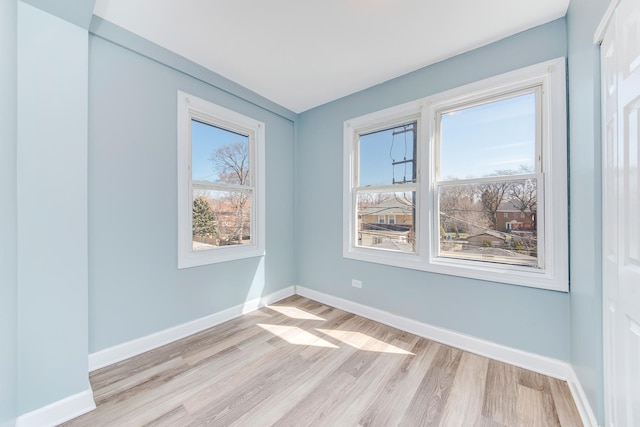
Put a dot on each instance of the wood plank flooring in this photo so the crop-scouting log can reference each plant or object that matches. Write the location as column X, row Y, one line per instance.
column 302, row 363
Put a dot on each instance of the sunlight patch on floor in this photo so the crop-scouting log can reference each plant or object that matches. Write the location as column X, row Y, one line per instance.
column 362, row 341
column 296, row 336
column 294, row 312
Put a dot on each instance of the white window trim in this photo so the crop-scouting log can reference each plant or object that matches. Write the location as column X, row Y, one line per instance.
column 191, row 107
column 551, row 76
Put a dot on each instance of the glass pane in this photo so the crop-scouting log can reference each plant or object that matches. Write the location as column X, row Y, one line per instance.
column 386, row 221
column 221, row 218
column 493, row 222
column 498, row 138
column 218, row 155
column 387, row 156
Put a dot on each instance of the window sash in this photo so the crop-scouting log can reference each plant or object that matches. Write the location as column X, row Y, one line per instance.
column 471, row 101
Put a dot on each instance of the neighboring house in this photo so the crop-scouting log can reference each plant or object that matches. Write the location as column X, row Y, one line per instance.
column 493, row 245
column 487, row 237
column 393, row 214
column 510, row 216
column 387, row 221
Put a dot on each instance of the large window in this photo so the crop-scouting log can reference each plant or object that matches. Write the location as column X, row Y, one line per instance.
column 488, row 166
column 475, row 178
column 220, row 181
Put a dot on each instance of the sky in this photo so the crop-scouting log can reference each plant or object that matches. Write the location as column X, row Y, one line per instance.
column 205, row 140
column 476, row 142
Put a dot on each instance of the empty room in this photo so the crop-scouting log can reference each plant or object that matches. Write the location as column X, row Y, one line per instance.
column 343, row 213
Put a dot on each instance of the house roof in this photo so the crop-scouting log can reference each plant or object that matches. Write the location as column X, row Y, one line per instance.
column 394, row 206
column 513, row 205
column 489, row 233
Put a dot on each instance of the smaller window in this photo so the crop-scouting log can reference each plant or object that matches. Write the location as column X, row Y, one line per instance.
column 220, row 184
column 386, row 186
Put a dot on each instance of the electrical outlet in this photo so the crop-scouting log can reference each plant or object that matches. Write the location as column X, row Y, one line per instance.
column 356, row 283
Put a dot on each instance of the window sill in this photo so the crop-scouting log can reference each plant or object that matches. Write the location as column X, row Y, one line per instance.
column 191, row 258
column 498, row 273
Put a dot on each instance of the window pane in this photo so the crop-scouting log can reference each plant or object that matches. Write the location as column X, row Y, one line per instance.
column 497, row 138
column 491, row 222
column 221, row 218
column 218, row 155
column 375, row 230
column 387, row 156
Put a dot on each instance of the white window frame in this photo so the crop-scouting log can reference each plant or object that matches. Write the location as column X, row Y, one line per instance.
column 193, row 108
column 550, row 77
column 380, row 120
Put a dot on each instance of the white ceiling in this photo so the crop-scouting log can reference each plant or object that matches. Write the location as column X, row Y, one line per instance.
column 301, row 54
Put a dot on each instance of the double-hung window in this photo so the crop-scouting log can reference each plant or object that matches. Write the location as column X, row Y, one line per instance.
column 475, row 177
column 487, row 161
column 220, row 183
column 382, row 178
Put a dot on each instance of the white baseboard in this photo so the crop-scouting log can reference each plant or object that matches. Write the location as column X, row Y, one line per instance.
column 59, row 412
column 579, row 396
column 545, row 365
column 534, row 362
column 132, row 348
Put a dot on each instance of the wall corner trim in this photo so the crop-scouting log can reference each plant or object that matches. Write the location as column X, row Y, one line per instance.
column 123, row 351
column 60, row 411
column 544, row 365
column 604, row 23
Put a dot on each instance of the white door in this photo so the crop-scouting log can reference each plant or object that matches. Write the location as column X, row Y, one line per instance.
column 621, row 215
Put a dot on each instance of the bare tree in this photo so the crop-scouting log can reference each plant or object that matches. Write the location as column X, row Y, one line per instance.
column 492, row 195
column 231, row 162
column 461, row 210
column 526, row 195
column 366, row 200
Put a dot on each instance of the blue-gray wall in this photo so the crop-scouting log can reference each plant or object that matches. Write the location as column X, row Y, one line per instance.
column 135, row 288
column 52, row 209
column 133, row 284
column 585, row 201
column 8, row 210
column 529, row 319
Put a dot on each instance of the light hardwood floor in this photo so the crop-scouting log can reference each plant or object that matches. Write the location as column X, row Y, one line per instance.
column 302, row 363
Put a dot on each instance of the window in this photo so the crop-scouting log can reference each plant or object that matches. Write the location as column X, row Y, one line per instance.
column 454, row 169
column 487, row 161
column 220, row 184
column 385, row 186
